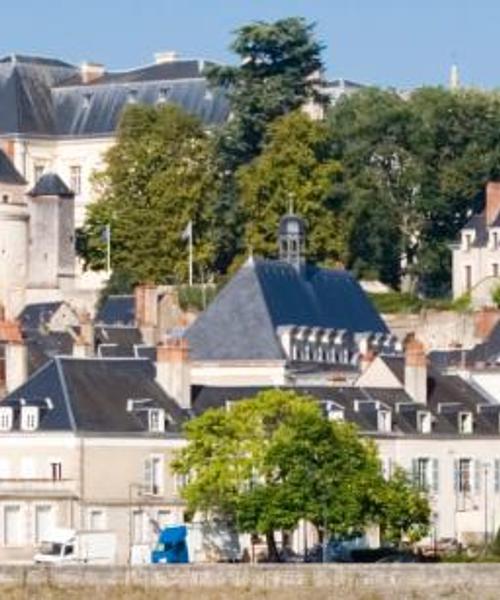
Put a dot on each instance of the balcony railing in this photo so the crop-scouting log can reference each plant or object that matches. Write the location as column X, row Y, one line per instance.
column 38, row 487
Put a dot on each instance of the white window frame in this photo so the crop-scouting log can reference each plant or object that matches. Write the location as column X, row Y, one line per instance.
column 30, row 418
column 22, row 533
column 154, row 487
column 156, row 420
column 37, row 506
column 97, row 509
column 465, row 422
column 75, row 175
column 6, row 418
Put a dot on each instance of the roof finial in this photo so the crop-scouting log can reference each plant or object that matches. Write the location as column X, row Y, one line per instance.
column 454, row 75
column 290, row 205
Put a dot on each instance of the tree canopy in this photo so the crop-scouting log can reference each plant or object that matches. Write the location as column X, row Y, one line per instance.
column 294, row 169
column 157, row 177
column 269, row 461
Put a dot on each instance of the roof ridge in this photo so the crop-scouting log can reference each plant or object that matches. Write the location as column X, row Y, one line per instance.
column 64, row 387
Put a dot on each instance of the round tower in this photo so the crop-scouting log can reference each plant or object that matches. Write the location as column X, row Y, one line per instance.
column 292, row 240
column 13, row 239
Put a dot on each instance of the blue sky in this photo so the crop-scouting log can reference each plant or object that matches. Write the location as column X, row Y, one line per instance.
column 385, row 42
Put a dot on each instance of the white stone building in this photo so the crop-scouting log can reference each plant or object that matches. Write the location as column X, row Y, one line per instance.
column 476, row 255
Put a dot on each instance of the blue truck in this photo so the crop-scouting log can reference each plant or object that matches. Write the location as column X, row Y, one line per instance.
column 172, row 546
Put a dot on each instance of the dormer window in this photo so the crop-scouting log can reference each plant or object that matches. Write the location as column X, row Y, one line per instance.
column 162, row 95
column 29, row 418
column 156, row 417
column 424, row 422
column 5, row 418
column 132, row 96
column 465, row 422
column 384, row 421
column 467, row 241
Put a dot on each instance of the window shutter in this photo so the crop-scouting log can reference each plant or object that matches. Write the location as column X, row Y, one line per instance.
column 435, row 475
column 148, row 474
column 456, row 476
column 414, row 471
column 497, row 475
column 477, row 476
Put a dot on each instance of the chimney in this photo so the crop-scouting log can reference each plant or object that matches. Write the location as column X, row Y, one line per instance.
column 146, row 311
column 415, row 370
column 16, row 355
column 84, row 344
column 492, row 201
column 485, row 320
column 173, row 370
column 90, row 71
column 167, row 56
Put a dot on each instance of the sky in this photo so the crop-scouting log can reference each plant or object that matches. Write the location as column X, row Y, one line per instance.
column 400, row 43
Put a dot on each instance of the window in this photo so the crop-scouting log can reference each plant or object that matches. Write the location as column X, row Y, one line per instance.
column 96, row 519
column 468, row 278
column 38, row 172
column 132, row 96
column 29, row 418
column 153, row 475
column 56, row 471
column 139, row 527
column 468, row 241
column 494, row 269
column 465, row 422
column 424, row 422
column 421, row 473
column 495, row 240
column 44, row 522
column 5, row 198
column 464, row 475
column 75, row 174
column 5, row 418
column 164, row 518
column 384, row 421
column 156, row 420
column 12, row 526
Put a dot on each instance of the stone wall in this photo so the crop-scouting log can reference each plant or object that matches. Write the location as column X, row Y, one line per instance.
column 342, row 581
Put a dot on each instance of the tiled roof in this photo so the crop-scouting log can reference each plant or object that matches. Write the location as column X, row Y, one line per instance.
column 8, row 173
column 47, row 97
column 91, row 395
column 50, row 184
column 117, row 310
column 242, row 320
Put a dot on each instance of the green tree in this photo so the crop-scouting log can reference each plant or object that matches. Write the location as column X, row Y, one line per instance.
column 268, row 461
column 278, row 62
column 416, row 168
column 157, row 177
column 404, row 509
column 295, row 167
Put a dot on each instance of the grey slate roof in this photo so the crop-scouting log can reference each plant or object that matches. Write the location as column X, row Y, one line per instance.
column 46, row 97
column 34, row 316
column 50, row 184
column 116, row 341
column 241, row 321
column 477, row 223
column 117, row 310
column 90, row 395
column 8, row 173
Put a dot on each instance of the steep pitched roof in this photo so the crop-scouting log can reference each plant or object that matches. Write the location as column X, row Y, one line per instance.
column 91, row 395
column 8, row 173
column 50, row 184
column 117, row 310
column 242, row 320
column 37, row 314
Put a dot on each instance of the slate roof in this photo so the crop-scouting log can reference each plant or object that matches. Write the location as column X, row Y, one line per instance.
column 47, row 97
column 477, row 223
column 34, row 316
column 116, row 341
column 445, row 390
column 117, row 310
column 241, row 321
column 8, row 173
column 90, row 395
column 50, row 184
column 44, row 346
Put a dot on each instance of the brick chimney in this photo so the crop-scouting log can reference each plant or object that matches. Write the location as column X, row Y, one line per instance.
column 492, row 201
column 173, row 370
column 90, row 71
column 146, row 311
column 415, row 370
column 16, row 355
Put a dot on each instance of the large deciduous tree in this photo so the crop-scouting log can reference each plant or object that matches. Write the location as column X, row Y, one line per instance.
column 157, row 177
column 267, row 462
column 295, row 169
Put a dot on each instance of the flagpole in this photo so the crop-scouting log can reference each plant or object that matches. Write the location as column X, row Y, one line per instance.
column 190, row 254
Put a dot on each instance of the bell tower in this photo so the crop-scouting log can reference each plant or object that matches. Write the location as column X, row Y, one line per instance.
column 292, row 240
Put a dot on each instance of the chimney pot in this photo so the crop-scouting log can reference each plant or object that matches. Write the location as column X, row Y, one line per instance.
column 492, row 201
column 415, row 370
column 91, row 71
column 166, row 56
